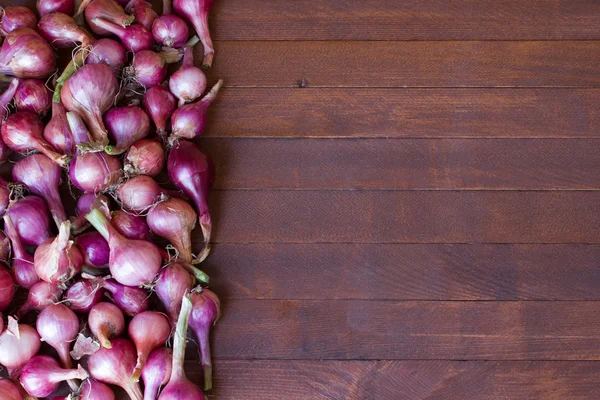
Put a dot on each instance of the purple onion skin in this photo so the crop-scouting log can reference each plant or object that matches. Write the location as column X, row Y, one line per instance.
column 58, row 326
column 83, row 295
column 31, row 218
column 131, row 300
column 23, row 270
column 42, row 375
column 134, row 37
column 109, row 52
column 33, row 95
column 170, row 31
column 131, row 226
column 94, row 390
column 189, row 120
column 205, row 312
column 9, row 391
column 94, row 171
column 7, row 289
column 125, row 125
column 58, row 133
column 61, row 31
column 95, row 249
column 25, row 54
column 110, row 11
column 196, row 12
column 5, row 99
column 15, row 17
column 157, row 372
column 144, row 14
column 145, row 157
column 172, row 284
column 50, row 6
column 40, row 296
column 159, row 103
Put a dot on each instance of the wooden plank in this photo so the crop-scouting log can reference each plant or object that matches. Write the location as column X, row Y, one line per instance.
column 406, row 163
column 444, row 113
column 405, row 271
column 406, row 380
column 407, row 64
column 359, row 329
column 249, row 216
column 405, row 20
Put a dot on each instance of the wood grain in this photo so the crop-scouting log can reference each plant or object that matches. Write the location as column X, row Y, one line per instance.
column 410, row 20
column 440, row 113
column 405, row 271
column 406, row 163
column 406, row 380
column 359, row 329
column 249, row 216
column 407, row 64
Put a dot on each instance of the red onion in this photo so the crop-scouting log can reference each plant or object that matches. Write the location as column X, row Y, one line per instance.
column 109, row 52
column 174, row 220
column 15, row 17
column 131, row 300
column 49, row 6
column 5, row 100
column 57, row 132
column 83, row 295
column 106, row 321
column 85, row 204
column 58, row 326
column 42, row 177
column 42, row 375
column 149, row 68
column 31, row 219
column 89, row 93
column 148, row 331
column 108, row 10
column 157, row 372
column 4, row 196
column 23, row 269
column 134, row 37
column 196, row 12
column 130, row 226
column 172, row 284
column 57, row 260
column 95, row 249
column 140, row 193
column 7, row 289
column 4, row 248
column 205, row 312
column 189, row 120
column 144, row 157
column 40, row 296
column 179, row 387
column 9, row 391
column 132, row 262
column 188, row 82
column 95, row 171
column 22, row 132
column 191, row 171
column 115, row 365
column 125, row 126
column 18, row 345
column 33, row 95
column 159, row 103
column 94, row 390
column 169, row 29
column 61, row 31
column 25, row 54
column 143, row 12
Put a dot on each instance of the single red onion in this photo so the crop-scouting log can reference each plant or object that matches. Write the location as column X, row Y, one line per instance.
column 179, row 387
column 134, row 37
column 125, row 126
column 25, row 54
column 95, row 249
column 144, row 157
column 148, row 331
column 188, row 82
column 108, row 10
column 31, row 219
column 40, row 296
column 61, row 31
column 132, row 262
column 42, row 375
column 4, row 248
column 7, row 289
column 94, row 390
column 50, row 6
column 159, row 103
column 109, row 52
column 115, row 365
column 9, row 391
column 23, row 269
column 172, row 284
column 42, row 177
column 140, row 193
column 149, row 68
column 130, row 226
column 82, row 295
column 189, row 120
column 22, row 132
column 106, row 321
column 5, row 99
column 57, row 260
column 33, row 95
column 157, row 372
column 85, row 204
column 90, row 92
column 58, row 326
column 15, row 17
column 131, row 300
column 205, row 313
column 4, row 196
column 174, row 220
column 58, row 133
column 169, row 29
column 95, row 171
column 192, row 171
column 18, row 344
column 196, row 12
column 143, row 12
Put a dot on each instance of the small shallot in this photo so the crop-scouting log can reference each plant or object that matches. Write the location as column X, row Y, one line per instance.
column 40, row 296
column 61, row 31
column 148, row 330
column 33, row 95
column 58, row 326
column 188, row 82
column 159, row 103
column 57, row 260
column 25, row 54
column 140, row 193
column 157, row 372
column 205, row 313
column 169, row 29
column 108, row 10
column 144, row 157
column 106, row 321
column 125, row 126
column 172, row 284
column 58, row 133
column 31, row 219
column 143, row 12
column 15, row 17
column 18, row 344
column 131, row 300
column 131, row 226
column 134, row 37
column 49, row 6
column 109, row 52
column 174, row 220
column 42, row 375
column 95, row 249
column 196, row 12
column 82, row 295
column 149, row 68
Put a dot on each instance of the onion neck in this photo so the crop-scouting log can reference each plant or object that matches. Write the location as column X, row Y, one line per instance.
column 133, row 389
column 188, row 51
column 177, row 372
column 56, row 208
column 151, row 390
column 170, row 56
column 113, row 28
column 212, row 95
column 77, row 61
column 15, row 239
column 201, row 27
column 196, row 272
column 63, row 374
column 141, row 361
column 104, row 332
column 102, row 225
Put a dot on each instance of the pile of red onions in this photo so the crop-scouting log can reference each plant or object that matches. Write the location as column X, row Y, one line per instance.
column 98, row 246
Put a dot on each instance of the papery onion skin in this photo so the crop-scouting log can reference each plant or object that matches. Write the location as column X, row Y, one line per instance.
column 95, row 171
column 95, row 249
column 134, row 37
column 23, row 269
column 25, row 54
column 108, row 10
column 4, row 248
column 15, row 17
column 82, row 295
column 159, row 103
column 125, row 126
column 7, row 289
column 58, row 326
column 109, row 52
column 196, row 12
column 49, row 6
column 157, row 372
column 170, row 30
column 131, row 226
column 174, row 220
column 44, row 367
column 40, row 296
column 33, row 95
column 61, row 31
column 145, row 157
column 148, row 331
column 16, row 351
column 57, row 260
column 106, row 321
column 94, row 390
column 9, row 391
column 205, row 312
column 140, row 193
column 31, row 219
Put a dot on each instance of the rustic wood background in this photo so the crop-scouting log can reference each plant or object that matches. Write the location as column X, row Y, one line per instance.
column 407, row 202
